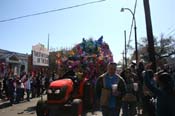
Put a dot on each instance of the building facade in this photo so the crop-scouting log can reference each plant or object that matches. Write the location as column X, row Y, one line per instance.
column 13, row 62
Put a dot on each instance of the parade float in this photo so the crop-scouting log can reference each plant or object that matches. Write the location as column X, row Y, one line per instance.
column 78, row 69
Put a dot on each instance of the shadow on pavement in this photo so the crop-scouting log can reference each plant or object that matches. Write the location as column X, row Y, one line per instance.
column 5, row 105
column 29, row 110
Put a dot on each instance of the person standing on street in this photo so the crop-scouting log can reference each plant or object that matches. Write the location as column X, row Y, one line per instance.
column 11, row 88
column 130, row 99
column 110, row 88
column 28, row 87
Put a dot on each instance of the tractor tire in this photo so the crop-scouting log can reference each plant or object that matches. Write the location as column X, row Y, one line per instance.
column 77, row 107
column 41, row 108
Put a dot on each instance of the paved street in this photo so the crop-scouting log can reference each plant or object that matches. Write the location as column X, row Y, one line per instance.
column 28, row 109
column 24, row 108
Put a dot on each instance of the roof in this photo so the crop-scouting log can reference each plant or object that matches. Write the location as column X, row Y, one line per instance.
column 8, row 54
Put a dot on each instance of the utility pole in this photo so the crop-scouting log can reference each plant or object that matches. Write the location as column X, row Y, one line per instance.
column 48, row 50
column 123, row 60
column 151, row 49
column 48, row 41
column 125, row 50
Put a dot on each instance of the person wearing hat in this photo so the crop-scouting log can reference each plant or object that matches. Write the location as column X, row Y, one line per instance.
column 165, row 93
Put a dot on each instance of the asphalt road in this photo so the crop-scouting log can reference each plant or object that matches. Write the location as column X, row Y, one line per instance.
column 28, row 109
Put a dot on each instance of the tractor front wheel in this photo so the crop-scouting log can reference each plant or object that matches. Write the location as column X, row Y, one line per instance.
column 77, row 107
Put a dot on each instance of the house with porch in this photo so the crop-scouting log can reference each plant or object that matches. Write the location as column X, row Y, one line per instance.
column 13, row 62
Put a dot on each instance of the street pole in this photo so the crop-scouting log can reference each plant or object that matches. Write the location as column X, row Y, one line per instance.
column 123, row 60
column 135, row 30
column 151, row 49
column 125, row 50
column 48, row 42
column 136, row 50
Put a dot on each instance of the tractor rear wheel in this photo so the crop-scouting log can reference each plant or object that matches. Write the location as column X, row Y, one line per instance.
column 41, row 108
column 88, row 96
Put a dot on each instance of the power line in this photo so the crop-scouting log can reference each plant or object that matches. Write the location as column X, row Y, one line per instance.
column 132, row 23
column 50, row 11
column 169, row 29
column 129, row 40
column 171, row 32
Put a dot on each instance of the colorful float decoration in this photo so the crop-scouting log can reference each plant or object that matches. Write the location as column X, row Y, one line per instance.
column 88, row 57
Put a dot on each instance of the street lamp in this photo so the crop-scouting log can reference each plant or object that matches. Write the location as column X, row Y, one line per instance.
column 135, row 30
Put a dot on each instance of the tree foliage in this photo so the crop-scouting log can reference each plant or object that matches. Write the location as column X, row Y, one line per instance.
column 164, row 47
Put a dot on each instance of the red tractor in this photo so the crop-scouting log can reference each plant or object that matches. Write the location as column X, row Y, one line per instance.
column 66, row 93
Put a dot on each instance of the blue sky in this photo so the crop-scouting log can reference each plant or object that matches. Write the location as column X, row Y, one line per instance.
column 68, row 27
